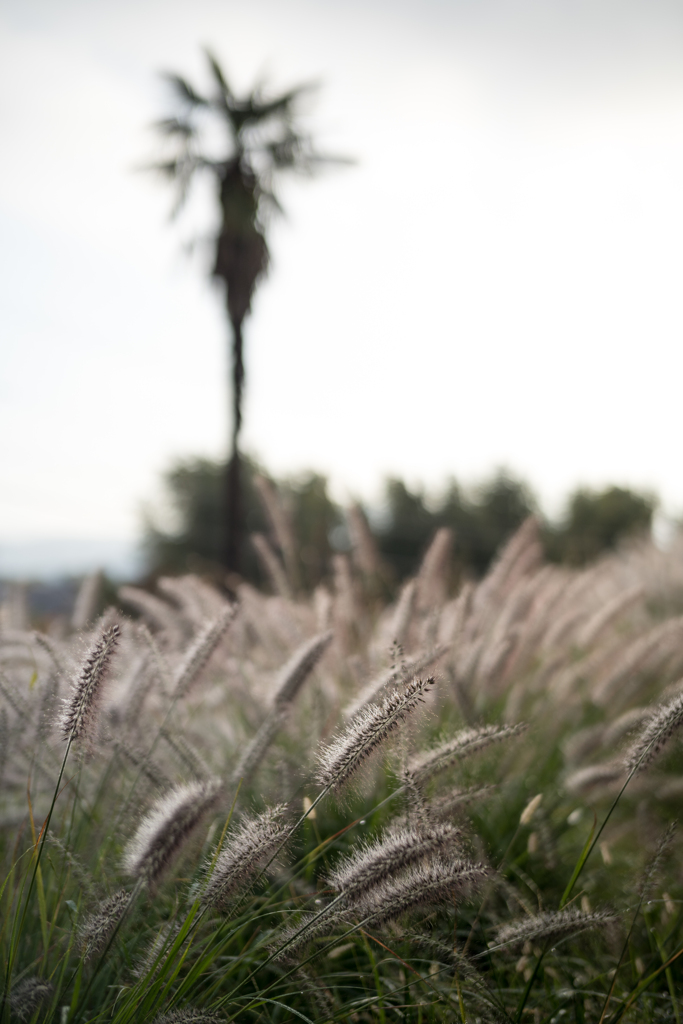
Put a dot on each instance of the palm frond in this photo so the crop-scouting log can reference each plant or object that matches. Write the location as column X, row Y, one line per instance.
column 219, row 75
column 175, row 126
column 184, row 90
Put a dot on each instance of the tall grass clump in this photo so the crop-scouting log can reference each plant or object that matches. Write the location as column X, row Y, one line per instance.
column 458, row 807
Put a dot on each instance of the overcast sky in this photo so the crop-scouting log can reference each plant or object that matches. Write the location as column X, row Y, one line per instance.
column 496, row 282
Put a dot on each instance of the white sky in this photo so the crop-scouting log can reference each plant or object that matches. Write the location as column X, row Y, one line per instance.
column 496, row 283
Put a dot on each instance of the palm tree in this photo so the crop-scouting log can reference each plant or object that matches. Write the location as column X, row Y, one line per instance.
column 258, row 140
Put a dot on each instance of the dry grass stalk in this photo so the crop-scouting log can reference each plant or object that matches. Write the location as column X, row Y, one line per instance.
column 271, row 564
column 280, row 522
column 87, row 600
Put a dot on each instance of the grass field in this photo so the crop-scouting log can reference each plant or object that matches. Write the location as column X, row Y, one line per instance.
column 458, row 807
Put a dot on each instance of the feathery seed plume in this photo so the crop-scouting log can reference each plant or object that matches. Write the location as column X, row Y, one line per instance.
column 255, row 841
column 76, row 866
column 363, row 544
column 165, row 829
column 430, row 884
column 201, row 650
column 190, row 758
column 157, row 612
column 162, row 670
column 552, row 925
column 299, row 667
column 147, row 767
column 87, row 599
column 376, row 897
column 649, row 879
column 256, row 750
column 81, row 707
column 13, row 697
column 151, row 959
column 52, row 649
column 403, row 611
column 398, row 674
column 452, row 802
column 383, row 859
column 466, row 742
column 292, row 677
column 658, row 731
column 29, row 995
column 281, row 523
column 342, row 758
column 97, row 928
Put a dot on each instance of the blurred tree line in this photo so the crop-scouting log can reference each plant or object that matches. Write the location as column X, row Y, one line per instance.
column 402, row 526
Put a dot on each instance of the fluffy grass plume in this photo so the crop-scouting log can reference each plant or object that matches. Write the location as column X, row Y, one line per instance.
column 382, row 886
column 436, row 882
column 98, row 927
column 465, row 743
column 166, row 828
column 339, row 762
column 383, row 859
column 79, row 716
column 245, row 851
column 552, row 925
column 666, row 721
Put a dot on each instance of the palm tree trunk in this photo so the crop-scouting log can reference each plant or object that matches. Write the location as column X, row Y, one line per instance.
column 233, row 537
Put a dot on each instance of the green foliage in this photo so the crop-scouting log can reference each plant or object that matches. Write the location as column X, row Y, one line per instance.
column 196, row 495
column 596, row 521
column 480, row 522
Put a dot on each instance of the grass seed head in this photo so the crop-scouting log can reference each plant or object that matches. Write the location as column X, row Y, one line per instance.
column 256, row 840
column 164, row 830
column 28, row 996
column 465, row 743
column 433, row 883
column 378, row 861
column 97, row 928
column 339, row 761
column 80, row 712
column 552, row 925
column 660, row 728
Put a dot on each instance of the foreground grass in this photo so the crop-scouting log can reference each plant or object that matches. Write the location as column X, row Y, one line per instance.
column 209, row 817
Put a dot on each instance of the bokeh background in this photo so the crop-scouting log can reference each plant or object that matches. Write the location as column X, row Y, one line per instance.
column 495, row 283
